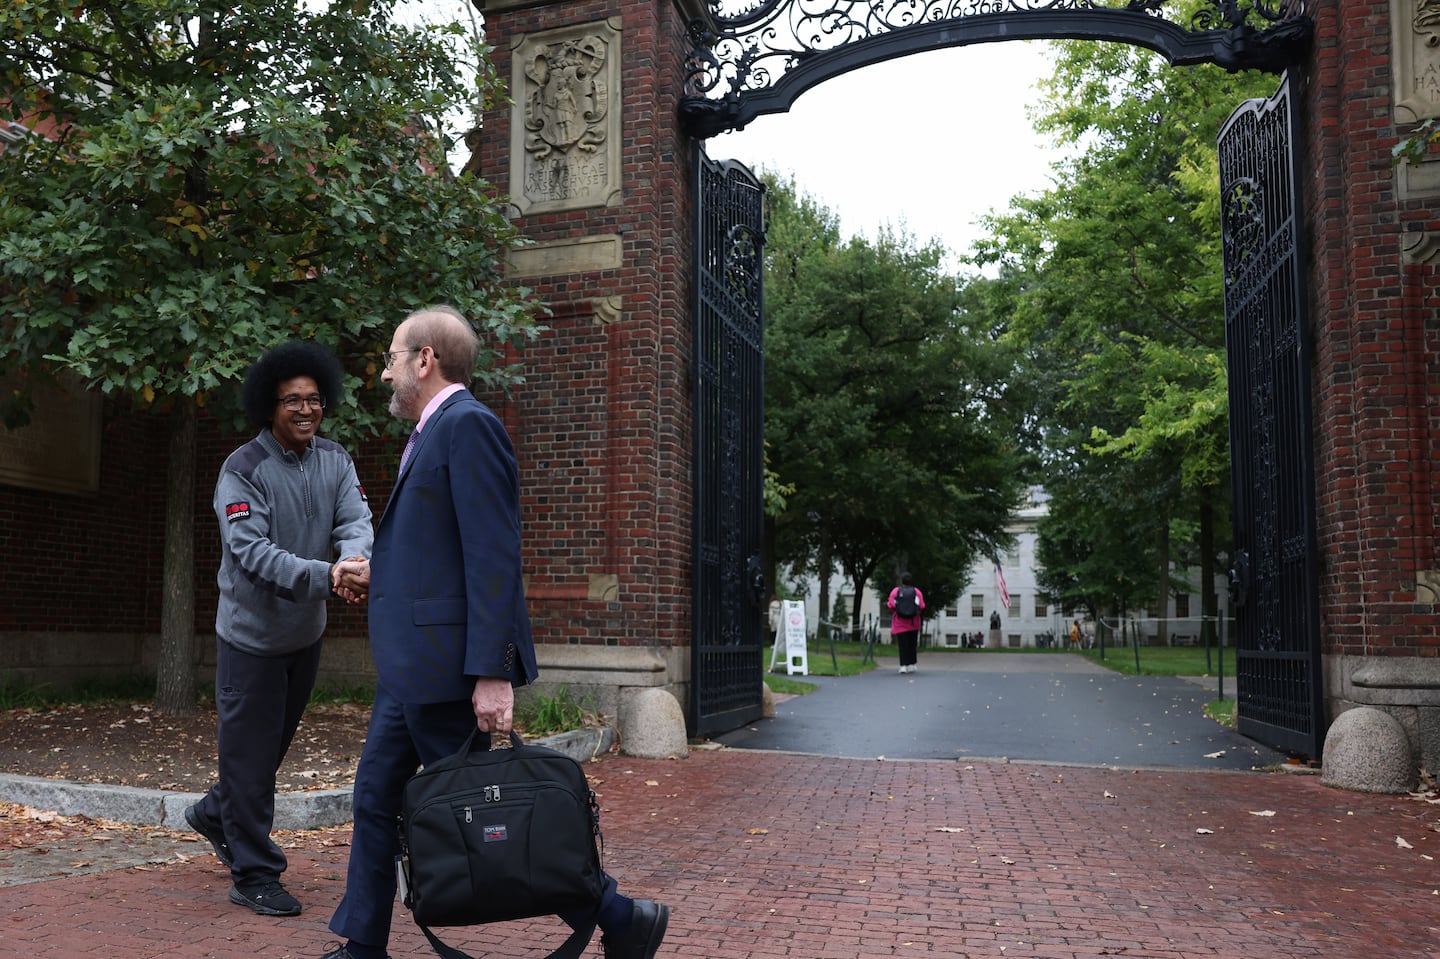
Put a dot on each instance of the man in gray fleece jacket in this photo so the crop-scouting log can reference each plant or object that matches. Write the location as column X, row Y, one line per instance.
column 290, row 505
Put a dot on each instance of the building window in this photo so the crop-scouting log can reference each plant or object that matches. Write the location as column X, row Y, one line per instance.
column 1012, row 557
column 1155, row 611
column 1016, row 609
column 952, row 610
column 1041, row 610
column 11, row 132
column 977, row 605
column 1182, row 605
column 952, row 639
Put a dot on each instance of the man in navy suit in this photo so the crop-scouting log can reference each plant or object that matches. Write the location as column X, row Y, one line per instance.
column 448, row 626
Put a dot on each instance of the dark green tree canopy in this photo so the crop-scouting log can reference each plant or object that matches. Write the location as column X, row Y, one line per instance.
column 219, row 177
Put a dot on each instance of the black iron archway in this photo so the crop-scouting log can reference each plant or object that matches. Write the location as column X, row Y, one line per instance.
column 756, row 60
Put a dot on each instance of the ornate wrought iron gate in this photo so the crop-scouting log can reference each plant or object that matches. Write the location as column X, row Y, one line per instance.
column 729, row 382
column 1275, row 581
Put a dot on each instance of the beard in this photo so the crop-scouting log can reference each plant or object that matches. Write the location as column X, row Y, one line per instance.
column 402, row 401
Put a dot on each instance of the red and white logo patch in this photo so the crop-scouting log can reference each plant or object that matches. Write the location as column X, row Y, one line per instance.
column 237, row 511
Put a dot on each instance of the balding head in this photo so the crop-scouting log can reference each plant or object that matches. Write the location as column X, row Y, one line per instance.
column 448, row 334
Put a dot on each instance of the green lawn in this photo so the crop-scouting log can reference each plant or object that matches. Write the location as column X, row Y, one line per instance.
column 1165, row 660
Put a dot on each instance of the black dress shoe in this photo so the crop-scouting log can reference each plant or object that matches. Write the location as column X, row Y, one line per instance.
column 642, row 939
column 342, row 952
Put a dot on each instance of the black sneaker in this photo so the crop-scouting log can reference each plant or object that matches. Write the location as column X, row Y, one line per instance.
column 267, row 899
column 213, row 833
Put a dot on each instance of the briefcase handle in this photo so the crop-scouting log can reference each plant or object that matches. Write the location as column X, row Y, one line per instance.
column 479, row 742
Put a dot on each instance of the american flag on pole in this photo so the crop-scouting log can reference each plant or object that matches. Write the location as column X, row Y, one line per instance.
column 1000, row 586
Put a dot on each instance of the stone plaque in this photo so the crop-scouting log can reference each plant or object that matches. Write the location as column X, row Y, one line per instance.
column 1415, row 59
column 59, row 450
column 565, row 123
column 585, row 254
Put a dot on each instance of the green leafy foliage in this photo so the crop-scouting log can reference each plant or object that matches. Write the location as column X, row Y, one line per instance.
column 222, row 177
column 1107, row 290
column 540, row 714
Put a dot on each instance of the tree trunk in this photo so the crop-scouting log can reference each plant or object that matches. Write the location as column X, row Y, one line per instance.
column 1162, row 628
column 822, row 567
column 767, row 559
column 1208, row 605
column 175, row 672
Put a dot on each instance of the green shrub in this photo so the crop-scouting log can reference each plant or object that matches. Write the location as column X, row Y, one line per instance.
column 544, row 715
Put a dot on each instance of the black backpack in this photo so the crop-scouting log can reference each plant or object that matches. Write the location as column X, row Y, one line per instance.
column 905, row 604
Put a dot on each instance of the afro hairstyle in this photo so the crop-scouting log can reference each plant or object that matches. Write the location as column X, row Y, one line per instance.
column 285, row 362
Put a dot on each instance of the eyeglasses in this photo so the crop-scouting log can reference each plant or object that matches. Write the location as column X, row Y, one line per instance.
column 297, row 403
column 389, row 356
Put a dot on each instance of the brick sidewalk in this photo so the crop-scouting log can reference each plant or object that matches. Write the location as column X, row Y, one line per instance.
column 774, row 856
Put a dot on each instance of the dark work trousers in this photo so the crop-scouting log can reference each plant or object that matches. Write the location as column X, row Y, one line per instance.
column 259, row 701
column 907, row 642
column 401, row 737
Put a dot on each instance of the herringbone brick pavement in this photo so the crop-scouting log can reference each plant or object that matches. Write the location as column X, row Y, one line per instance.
column 783, row 856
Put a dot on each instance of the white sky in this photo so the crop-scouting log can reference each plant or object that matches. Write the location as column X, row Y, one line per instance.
column 931, row 141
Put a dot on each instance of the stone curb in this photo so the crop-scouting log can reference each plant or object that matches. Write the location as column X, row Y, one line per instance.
column 165, row 808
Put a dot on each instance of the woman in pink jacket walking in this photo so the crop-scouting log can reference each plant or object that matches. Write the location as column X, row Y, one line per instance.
column 906, row 604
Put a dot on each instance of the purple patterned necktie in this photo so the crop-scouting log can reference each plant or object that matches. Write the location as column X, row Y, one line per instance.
column 409, row 445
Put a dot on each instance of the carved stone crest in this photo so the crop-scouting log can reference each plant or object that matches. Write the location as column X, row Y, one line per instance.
column 1415, row 59
column 565, row 135
column 569, row 100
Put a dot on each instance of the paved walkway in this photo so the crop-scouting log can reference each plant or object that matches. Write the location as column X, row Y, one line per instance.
column 1052, row 707
column 775, row 855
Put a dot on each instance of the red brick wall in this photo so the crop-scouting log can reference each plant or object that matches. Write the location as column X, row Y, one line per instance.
column 89, row 562
column 1375, row 334
column 602, row 425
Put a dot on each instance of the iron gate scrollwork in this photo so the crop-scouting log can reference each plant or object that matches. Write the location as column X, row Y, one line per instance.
column 748, row 59
column 1275, row 579
column 729, row 382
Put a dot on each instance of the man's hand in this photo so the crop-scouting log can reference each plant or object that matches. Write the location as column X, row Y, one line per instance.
column 350, row 579
column 494, row 702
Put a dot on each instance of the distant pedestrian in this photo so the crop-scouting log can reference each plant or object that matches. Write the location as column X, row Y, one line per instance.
column 906, row 604
column 1075, row 633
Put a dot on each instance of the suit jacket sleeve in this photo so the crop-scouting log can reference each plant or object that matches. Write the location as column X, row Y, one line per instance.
column 485, row 485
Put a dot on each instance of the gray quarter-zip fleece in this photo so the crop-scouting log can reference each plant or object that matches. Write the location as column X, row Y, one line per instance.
column 284, row 519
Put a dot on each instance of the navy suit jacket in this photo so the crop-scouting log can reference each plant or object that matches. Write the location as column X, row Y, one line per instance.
column 447, row 601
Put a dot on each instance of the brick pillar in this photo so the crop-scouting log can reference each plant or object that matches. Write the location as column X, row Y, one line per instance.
column 599, row 175
column 1375, row 257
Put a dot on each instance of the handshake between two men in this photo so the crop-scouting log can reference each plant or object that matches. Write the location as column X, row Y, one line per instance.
column 350, row 579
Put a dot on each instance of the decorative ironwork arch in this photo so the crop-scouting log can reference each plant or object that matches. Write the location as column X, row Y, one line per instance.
column 757, row 61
